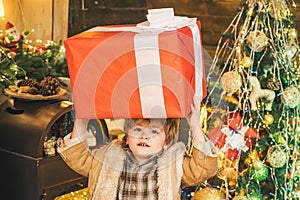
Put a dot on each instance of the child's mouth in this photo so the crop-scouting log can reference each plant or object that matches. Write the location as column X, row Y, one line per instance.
column 143, row 145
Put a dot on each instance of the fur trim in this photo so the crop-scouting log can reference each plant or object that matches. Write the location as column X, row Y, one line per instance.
column 170, row 172
column 112, row 166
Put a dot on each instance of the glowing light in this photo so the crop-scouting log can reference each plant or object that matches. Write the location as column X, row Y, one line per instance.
column 1, row 8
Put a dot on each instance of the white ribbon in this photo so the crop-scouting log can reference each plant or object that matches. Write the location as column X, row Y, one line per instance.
column 149, row 71
column 198, row 59
column 149, row 75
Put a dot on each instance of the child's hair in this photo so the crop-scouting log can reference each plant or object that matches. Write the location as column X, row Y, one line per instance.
column 171, row 127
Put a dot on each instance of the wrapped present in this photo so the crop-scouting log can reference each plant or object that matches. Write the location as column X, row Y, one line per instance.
column 233, row 137
column 129, row 71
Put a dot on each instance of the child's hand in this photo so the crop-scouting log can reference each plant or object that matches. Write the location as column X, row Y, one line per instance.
column 194, row 120
column 194, row 117
column 80, row 127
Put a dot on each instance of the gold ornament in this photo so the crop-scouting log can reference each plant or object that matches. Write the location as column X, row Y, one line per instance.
column 291, row 97
column 253, row 155
column 273, row 84
column 231, row 81
column 257, row 40
column 228, row 173
column 277, row 156
column 246, row 62
column 258, row 93
column 268, row 119
column 208, row 194
column 293, row 34
column 248, row 161
column 240, row 197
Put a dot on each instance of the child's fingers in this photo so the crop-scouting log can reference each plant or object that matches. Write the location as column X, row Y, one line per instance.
column 197, row 102
column 192, row 107
column 81, row 125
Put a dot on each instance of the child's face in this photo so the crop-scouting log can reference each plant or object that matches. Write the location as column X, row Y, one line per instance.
column 146, row 139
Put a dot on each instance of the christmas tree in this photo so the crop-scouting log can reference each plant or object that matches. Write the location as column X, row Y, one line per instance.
column 252, row 110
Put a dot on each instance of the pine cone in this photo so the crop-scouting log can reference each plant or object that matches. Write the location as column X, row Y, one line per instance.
column 33, row 90
column 34, row 85
column 49, row 86
column 28, row 82
column 273, row 84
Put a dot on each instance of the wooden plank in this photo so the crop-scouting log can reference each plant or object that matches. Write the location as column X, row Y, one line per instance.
column 160, row 4
column 60, row 20
column 209, row 52
column 24, row 17
column 13, row 14
column 207, row 7
column 122, row 4
column 48, row 18
column 212, row 29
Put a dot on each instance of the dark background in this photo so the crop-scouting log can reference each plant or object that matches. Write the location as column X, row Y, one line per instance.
column 214, row 15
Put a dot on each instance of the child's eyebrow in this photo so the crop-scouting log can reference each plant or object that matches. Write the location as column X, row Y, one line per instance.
column 156, row 125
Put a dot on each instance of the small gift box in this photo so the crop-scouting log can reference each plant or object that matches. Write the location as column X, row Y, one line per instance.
column 233, row 137
column 136, row 71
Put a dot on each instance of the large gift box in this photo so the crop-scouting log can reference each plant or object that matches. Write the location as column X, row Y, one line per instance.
column 129, row 71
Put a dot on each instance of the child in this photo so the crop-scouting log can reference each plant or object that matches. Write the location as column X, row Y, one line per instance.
column 154, row 166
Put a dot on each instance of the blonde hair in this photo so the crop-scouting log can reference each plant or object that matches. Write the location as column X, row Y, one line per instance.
column 170, row 126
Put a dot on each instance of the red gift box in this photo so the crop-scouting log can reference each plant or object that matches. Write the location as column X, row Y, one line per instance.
column 126, row 72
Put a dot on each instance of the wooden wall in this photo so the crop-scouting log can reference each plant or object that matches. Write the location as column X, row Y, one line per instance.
column 48, row 18
column 103, row 12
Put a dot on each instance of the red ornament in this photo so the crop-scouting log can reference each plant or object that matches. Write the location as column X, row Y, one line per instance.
column 40, row 49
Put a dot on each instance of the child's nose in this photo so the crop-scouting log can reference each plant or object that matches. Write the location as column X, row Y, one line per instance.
column 145, row 134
